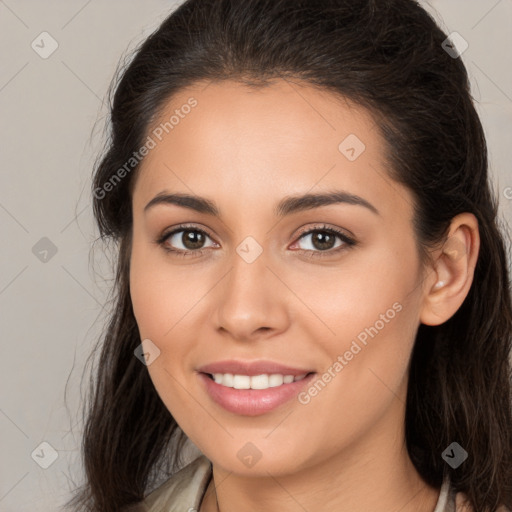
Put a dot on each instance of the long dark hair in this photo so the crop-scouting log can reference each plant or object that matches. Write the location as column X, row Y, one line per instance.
column 387, row 56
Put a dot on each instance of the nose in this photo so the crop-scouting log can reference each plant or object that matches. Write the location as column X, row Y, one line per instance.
column 251, row 300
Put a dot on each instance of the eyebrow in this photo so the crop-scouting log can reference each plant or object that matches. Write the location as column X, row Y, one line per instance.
column 287, row 206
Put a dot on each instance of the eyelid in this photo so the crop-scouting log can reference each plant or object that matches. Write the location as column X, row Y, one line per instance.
column 324, row 227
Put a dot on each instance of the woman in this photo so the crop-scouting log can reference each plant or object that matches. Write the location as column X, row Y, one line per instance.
column 311, row 284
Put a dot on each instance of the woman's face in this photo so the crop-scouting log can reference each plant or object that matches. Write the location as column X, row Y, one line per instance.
column 257, row 283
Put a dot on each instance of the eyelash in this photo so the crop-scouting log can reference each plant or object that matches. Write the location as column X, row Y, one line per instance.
column 347, row 241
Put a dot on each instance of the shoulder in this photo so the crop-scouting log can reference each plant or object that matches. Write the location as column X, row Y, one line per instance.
column 183, row 491
column 452, row 501
column 461, row 504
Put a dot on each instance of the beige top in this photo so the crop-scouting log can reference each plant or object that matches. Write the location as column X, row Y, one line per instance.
column 184, row 491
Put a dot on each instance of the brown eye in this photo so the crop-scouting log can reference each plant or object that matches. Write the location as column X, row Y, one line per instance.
column 324, row 240
column 185, row 240
column 192, row 239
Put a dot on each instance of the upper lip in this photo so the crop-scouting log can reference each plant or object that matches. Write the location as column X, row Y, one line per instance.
column 251, row 368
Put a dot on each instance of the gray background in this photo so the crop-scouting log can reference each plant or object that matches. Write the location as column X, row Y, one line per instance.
column 52, row 113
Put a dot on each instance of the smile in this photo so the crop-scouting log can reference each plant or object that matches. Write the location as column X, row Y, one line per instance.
column 253, row 395
column 263, row 381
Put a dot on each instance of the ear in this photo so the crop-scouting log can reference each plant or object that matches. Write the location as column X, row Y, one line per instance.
column 451, row 275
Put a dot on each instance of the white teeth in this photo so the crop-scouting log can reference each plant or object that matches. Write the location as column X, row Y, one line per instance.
column 263, row 381
column 227, row 379
column 241, row 382
column 275, row 380
column 259, row 382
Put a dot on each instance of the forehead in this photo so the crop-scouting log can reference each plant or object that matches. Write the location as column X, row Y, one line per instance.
column 283, row 138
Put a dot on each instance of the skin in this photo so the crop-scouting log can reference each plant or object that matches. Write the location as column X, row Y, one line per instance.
column 247, row 149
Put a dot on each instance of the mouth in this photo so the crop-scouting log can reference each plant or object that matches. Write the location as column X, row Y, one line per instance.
column 253, row 395
column 262, row 381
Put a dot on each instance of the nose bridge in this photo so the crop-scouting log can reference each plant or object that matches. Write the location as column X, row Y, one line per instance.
column 249, row 300
column 247, row 278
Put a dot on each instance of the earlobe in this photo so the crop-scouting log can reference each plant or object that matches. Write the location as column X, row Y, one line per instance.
column 452, row 272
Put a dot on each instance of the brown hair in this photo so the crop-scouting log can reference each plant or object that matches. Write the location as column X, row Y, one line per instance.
column 387, row 56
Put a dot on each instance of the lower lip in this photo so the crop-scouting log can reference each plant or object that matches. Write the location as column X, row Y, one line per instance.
column 252, row 402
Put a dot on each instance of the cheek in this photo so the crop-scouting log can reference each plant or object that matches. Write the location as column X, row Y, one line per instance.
column 148, row 300
column 156, row 292
column 158, row 308
column 354, row 295
column 165, row 303
column 369, row 310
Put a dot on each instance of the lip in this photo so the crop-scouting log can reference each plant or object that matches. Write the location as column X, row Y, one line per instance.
column 251, row 368
column 252, row 402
